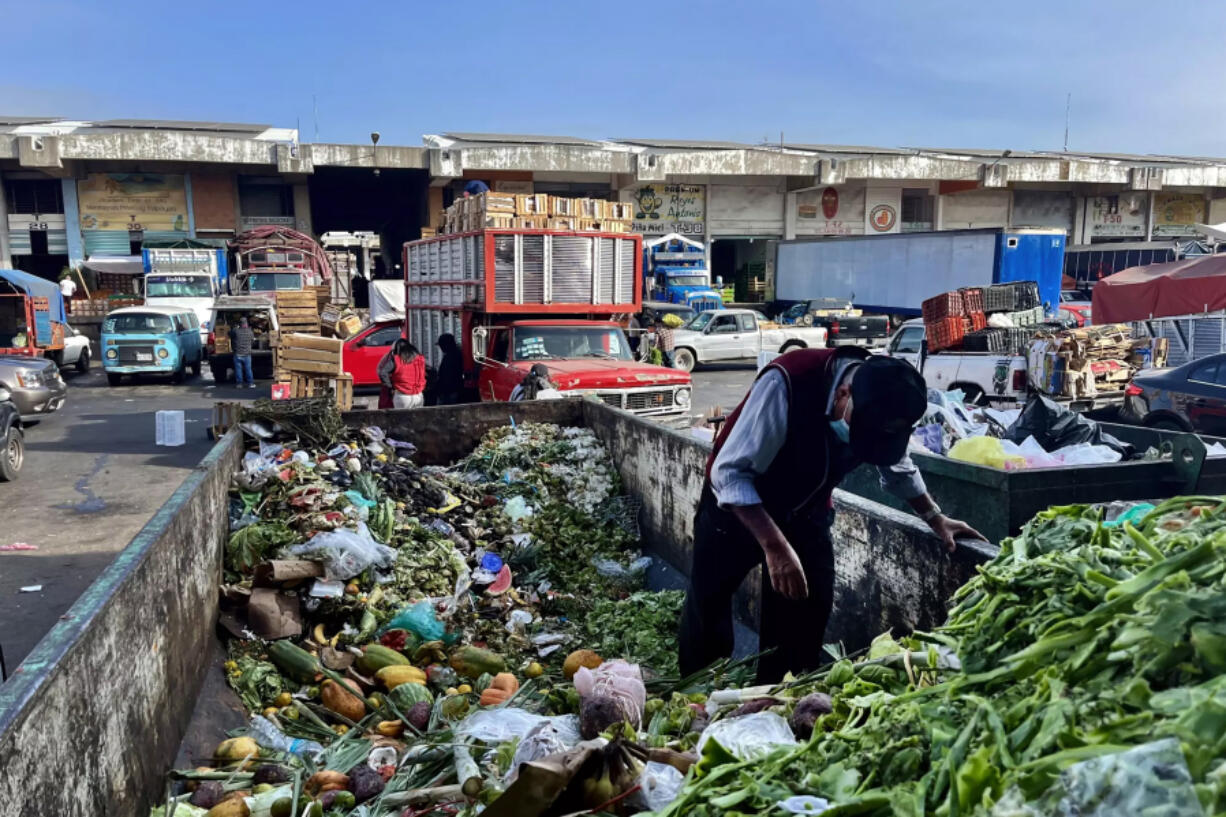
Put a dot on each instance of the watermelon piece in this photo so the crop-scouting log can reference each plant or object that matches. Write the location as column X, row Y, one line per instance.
column 502, row 583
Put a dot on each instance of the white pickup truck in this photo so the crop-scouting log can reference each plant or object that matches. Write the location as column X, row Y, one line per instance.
column 737, row 334
column 997, row 378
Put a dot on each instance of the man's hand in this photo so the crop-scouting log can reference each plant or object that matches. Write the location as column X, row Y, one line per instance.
column 787, row 574
column 951, row 530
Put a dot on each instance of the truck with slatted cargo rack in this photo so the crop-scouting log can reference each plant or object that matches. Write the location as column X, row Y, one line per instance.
column 513, row 298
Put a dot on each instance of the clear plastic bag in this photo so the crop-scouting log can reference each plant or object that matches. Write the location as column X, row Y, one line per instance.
column 627, row 575
column 659, row 785
column 502, row 723
column 549, row 737
column 418, row 619
column 345, row 553
column 517, row 508
column 749, row 737
column 618, row 680
column 1149, row 779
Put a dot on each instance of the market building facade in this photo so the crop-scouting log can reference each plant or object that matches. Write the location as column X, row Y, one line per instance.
column 84, row 190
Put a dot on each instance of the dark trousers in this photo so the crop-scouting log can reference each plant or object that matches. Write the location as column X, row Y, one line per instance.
column 723, row 553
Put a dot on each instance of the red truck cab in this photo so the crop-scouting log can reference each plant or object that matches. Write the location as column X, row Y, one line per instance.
column 362, row 352
column 583, row 356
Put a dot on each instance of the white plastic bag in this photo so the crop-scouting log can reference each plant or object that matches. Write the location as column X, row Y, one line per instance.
column 618, row 680
column 549, row 737
column 749, row 737
column 517, row 508
column 345, row 553
column 659, row 785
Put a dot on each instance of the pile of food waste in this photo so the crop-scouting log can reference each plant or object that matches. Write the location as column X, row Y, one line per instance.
column 415, row 641
column 403, row 637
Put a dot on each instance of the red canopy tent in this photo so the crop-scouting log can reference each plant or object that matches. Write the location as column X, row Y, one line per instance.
column 1162, row 290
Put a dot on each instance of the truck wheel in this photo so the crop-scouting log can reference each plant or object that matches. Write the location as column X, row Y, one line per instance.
column 790, row 345
column 683, row 359
column 12, row 454
column 113, row 378
column 180, row 373
column 972, row 394
column 83, row 361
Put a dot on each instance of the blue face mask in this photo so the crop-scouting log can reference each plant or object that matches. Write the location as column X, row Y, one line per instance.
column 840, row 427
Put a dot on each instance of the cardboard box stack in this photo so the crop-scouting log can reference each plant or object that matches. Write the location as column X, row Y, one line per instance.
column 536, row 211
column 1091, row 361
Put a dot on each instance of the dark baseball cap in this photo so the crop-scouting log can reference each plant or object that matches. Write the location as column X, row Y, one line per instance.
column 888, row 398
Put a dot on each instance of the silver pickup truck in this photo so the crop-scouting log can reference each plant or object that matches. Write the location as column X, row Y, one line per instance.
column 737, row 334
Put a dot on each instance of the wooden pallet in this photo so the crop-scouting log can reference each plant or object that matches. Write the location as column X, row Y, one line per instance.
column 225, row 417
column 341, row 387
column 311, row 355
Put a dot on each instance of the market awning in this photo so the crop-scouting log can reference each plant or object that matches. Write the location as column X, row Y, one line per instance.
column 36, row 287
column 1184, row 287
column 119, row 264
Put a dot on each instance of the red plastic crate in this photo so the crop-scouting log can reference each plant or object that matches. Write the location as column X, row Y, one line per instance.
column 972, row 299
column 978, row 321
column 945, row 305
column 946, row 333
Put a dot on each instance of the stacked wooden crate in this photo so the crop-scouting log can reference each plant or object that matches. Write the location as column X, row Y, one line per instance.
column 313, row 366
column 536, row 211
column 298, row 311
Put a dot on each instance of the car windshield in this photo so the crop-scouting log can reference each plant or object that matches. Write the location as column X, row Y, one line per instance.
column 699, row 321
column 688, row 280
column 177, row 286
column 557, row 342
column 137, row 323
column 272, row 281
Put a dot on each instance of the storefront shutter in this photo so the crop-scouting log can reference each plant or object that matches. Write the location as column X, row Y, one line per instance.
column 106, row 242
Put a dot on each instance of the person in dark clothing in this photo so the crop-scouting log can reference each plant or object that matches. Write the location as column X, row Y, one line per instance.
column 450, row 371
column 811, row 417
column 242, row 339
column 475, row 188
column 534, row 382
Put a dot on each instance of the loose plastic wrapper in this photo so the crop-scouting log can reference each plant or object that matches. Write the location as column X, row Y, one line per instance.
column 659, row 785
column 749, row 737
column 345, row 553
column 621, row 681
column 628, row 575
column 1152, row 779
column 517, row 508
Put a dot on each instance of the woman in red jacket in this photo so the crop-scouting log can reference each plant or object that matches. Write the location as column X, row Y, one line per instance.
column 403, row 372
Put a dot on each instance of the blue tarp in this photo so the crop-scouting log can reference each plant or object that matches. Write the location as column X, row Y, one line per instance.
column 34, row 286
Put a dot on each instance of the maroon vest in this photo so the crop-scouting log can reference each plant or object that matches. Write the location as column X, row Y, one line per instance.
column 804, row 473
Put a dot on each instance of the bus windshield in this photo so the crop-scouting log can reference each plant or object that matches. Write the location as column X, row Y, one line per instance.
column 178, row 286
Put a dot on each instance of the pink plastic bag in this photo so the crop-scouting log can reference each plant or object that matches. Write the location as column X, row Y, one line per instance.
column 619, row 681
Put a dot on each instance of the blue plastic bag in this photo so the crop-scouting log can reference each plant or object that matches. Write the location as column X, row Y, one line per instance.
column 419, row 620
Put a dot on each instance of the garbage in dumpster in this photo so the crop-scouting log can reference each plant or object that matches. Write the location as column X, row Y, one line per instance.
column 1078, row 641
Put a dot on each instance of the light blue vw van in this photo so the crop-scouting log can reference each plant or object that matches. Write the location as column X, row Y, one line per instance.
column 151, row 340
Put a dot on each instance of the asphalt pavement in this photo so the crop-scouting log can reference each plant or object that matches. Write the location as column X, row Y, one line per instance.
column 94, row 475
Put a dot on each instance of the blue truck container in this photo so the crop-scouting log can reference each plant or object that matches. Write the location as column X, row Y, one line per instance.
column 894, row 274
column 675, row 272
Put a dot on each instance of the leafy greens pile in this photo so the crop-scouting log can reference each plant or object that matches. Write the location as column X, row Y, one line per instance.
column 1080, row 640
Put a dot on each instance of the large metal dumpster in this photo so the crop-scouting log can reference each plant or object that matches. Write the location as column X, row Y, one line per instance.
column 997, row 503
column 90, row 721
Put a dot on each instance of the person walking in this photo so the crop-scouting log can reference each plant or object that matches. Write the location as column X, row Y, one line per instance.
column 665, row 342
column 403, row 372
column 242, row 339
column 68, row 287
column 811, row 417
column 450, row 371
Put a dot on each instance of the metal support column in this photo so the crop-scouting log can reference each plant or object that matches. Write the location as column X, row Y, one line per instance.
column 6, row 246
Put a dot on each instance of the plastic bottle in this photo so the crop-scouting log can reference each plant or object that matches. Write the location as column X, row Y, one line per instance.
column 269, row 736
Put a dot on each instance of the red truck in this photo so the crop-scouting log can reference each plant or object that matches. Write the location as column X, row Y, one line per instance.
column 515, row 297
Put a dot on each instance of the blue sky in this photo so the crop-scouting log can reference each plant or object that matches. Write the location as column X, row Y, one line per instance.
column 1143, row 76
